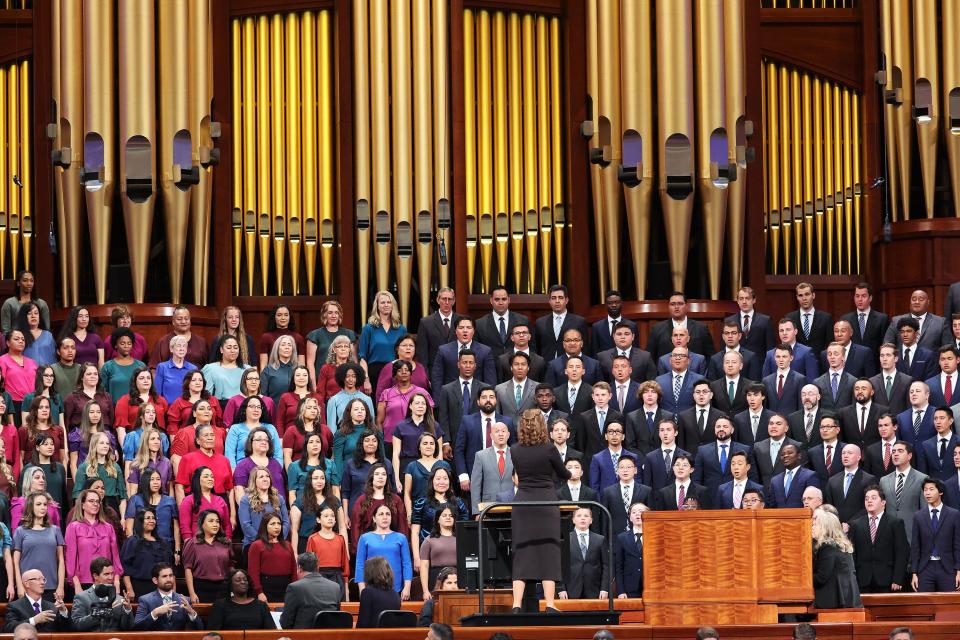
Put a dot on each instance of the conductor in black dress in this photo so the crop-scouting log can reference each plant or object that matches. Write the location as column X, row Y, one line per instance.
column 536, row 530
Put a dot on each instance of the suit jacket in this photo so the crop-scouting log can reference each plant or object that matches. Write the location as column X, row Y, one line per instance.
column 743, row 429
column 488, row 332
column 583, row 402
column 80, row 615
column 767, row 468
column 951, row 304
column 612, row 499
column 601, row 340
column 628, row 561
column 640, row 361
column 668, row 401
column 883, row 561
column 602, row 473
column 952, row 496
column 821, row 329
column 470, row 440
column 431, row 334
column 20, row 611
column 660, row 341
column 776, row 498
column 444, row 368
column 507, row 397
column 305, row 598
column 873, row 459
column 589, row 573
column 850, row 424
column 633, row 400
column 937, row 398
column 910, row 500
column 924, row 363
column 930, row 461
column 537, row 370
column 762, row 336
column 789, row 400
column 667, row 498
column 556, row 374
column 586, row 494
column 946, row 539
column 751, row 365
column 656, row 475
column 850, row 506
column 798, row 428
column 698, row 364
column 177, row 620
column 905, row 427
column 690, row 437
column 485, row 479
column 816, row 460
column 640, row 435
column 706, row 466
column 721, row 395
column 725, row 493
column 556, row 414
column 844, row 398
column 587, row 430
column 931, row 331
column 450, row 409
column 550, row 345
column 860, row 361
column 876, row 329
column 898, row 399
column 804, row 362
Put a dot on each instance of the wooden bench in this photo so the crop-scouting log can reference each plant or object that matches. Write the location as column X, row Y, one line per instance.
column 911, row 607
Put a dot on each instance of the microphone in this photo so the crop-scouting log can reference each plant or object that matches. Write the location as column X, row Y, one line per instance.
column 442, row 249
column 17, row 181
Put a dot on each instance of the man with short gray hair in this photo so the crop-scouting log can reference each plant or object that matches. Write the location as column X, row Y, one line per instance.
column 308, row 595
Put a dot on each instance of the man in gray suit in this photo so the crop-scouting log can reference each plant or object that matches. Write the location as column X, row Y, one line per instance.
column 766, row 452
column 903, row 486
column 437, row 328
column 492, row 469
column 517, row 394
column 308, row 595
column 931, row 325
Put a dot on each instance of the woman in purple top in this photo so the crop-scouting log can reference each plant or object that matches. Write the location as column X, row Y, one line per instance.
column 259, row 450
column 392, row 402
column 90, row 536
column 249, row 386
column 122, row 317
column 79, row 326
column 78, row 440
column 88, row 388
column 406, row 349
column 406, row 434
column 149, row 455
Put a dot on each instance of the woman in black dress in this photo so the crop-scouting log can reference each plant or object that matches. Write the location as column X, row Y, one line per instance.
column 536, row 530
column 834, row 577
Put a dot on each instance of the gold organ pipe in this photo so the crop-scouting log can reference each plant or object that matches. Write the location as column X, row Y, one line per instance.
column 441, row 134
column 675, row 109
column 848, row 143
column 593, row 142
column 293, row 214
column 609, row 129
column 773, row 158
column 361, row 147
column 13, row 161
column 951, row 94
column 543, row 150
column 57, row 145
column 26, row 204
column 786, row 201
column 137, row 124
column 735, row 90
column 501, row 183
column 257, row 157
column 901, row 67
column 796, row 164
column 4, row 204
column 819, row 202
column 926, row 109
column 857, row 188
column 325, row 165
column 201, row 134
column 838, row 204
column 71, row 140
column 484, row 148
column 530, row 148
column 309, row 57
column 380, row 99
column 238, row 212
column 515, row 159
column 470, row 143
column 890, row 108
column 271, row 44
column 401, row 101
column 423, row 149
column 556, row 149
column 828, row 135
column 808, row 145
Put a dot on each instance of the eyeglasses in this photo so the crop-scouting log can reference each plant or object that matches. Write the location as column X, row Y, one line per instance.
column 569, row 340
column 679, row 356
column 615, row 431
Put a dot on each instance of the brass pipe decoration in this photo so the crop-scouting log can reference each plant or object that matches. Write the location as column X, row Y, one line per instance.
column 57, row 153
column 848, row 144
column 786, row 201
column 544, row 164
column 609, row 130
column 361, row 149
column 556, row 151
column 675, row 108
column 501, row 184
column 713, row 156
column 857, row 187
column 819, row 202
column 772, row 136
column 98, row 175
column 271, row 224
column 901, row 68
column 4, row 203
column 263, row 113
column 441, row 136
column 287, row 65
column 326, row 165
column 808, row 147
column 380, row 99
column 26, row 179
column 175, row 146
column 202, row 133
column 828, row 135
column 885, row 79
column 13, row 161
column 926, row 105
column 137, row 121
column 71, row 136
column 484, row 148
column 530, row 150
column 515, row 159
column 470, row 144
column 401, row 101
column 309, row 112
column 589, row 130
column 951, row 94
column 734, row 92
column 796, row 163
column 423, row 200
column 238, row 212
column 838, row 203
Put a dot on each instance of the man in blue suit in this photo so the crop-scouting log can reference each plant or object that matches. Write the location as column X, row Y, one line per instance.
column 572, row 346
column 165, row 609
column 445, row 363
column 476, row 433
column 628, row 556
column 712, row 464
column 678, row 384
column 786, row 488
column 658, row 464
column 603, row 470
column 603, row 329
column 730, row 494
column 681, row 338
column 804, row 361
column 936, row 453
column 785, row 383
column 935, row 543
column 732, row 337
column 916, row 423
column 918, row 362
column 858, row 360
column 946, row 382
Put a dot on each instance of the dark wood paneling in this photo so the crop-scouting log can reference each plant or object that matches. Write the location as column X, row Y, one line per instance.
column 578, row 278
column 457, row 115
column 826, row 41
column 221, row 230
column 345, row 276
column 554, row 7
column 18, row 33
column 754, row 254
column 921, row 254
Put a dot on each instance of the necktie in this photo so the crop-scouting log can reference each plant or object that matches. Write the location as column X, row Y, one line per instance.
column 889, row 386
column 746, row 324
column 943, row 449
column 774, row 452
column 650, row 421
column 863, row 324
column 787, row 481
column 462, row 347
column 916, row 425
column 780, row 386
column 835, row 385
column 737, row 496
column 723, row 458
column 615, row 457
column 557, row 323
column 602, row 418
column 948, row 388
column 627, row 496
column 886, row 456
column 906, row 358
column 677, row 384
column 573, row 397
column 621, row 397
column 489, row 432
column 503, row 330
column 701, row 422
column 583, row 544
column 863, row 419
column 808, row 428
column 36, row 607
column 806, row 325
column 519, row 395
column 446, row 326
column 613, row 323
column 666, row 460
column 625, row 354
column 873, row 528
column 919, row 320
column 466, row 397
column 846, row 484
column 681, row 497
column 899, row 489
column 638, row 537
column 501, row 462
column 756, row 425
column 934, row 520
column 829, row 460
column 731, row 390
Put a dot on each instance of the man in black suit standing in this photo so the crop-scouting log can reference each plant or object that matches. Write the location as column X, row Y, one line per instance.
column 730, row 390
column 758, row 331
column 816, row 327
column 878, row 458
column 46, row 616
column 869, row 325
column 591, row 425
column 661, row 335
column 572, row 346
column 674, row 496
column 602, row 338
column 805, row 423
column 766, row 453
column 696, row 423
column 551, row 327
column 560, row 436
column 891, row 385
column 618, row 497
column 824, row 458
column 642, row 422
column 858, row 422
column 644, row 368
column 589, row 572
column 438, row 328
column 546, row 400
column 520, row 337
column 495, row 329
column 576, row 396
column 858, row 360
column 881, row 553
column 951, row 304
column 845, row 490
column 445, row 363
column 731, row 336
column 459, row 397
column 750, row 425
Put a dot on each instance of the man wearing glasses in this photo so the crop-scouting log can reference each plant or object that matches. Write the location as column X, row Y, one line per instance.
column 572, row 346
column 677, row 384
column 46, row 616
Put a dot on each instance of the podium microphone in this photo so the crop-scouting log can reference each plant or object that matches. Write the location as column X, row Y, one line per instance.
column 442, row 249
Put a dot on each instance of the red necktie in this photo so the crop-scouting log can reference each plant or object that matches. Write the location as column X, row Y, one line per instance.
column 682, row 497
column 501, row 462
column 886, row 456
column 948, row 389
column 829, row 457
column 489, row 433
column 780, row 386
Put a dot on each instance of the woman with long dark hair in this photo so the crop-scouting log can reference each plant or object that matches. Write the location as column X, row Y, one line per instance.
column 79, row 326
column 377, row 490
column 150, row 495
column 192, row 390
column 149, row 455
column 39, row 420
column 271, row 561
column 231, row 324
column 202, row 498
column 309, row 421
column 45, row 385
column 280, row 324
column 224, row 371
column 316, row 494
column 41, row 345
column 89, row 535
column 23, row 291
column 440, row 495
column 19, row 371
column 54, row 472
column 330, row 547
column 301, row 388
column 141, row 551
column 357, row 418
column 391, row 545
column 260, row 499
column 141, row 392
column 439, row 550
column 311, row 457
column 88, row 390
column 119, row 370
column 78, row 439
column 206, row 560
column 249, row 387
column 353, row 477
column 248, row 418
column 38, row 544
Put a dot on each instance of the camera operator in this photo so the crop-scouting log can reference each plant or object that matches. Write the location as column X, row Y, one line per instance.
column 99, row 608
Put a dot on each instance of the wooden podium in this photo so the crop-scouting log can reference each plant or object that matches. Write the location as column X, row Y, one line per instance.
column 725, row 567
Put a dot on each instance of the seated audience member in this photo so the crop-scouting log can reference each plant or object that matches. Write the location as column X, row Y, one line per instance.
column 141, row 552
column 330, row 547
column 378, row 591
column 240, row 609
column 101, row 608
column 438, row 550
column 804, row 631
column 446, row 581
column 164, row 609
column 628, row 555
column 271, row 561
column 46, row 616
column 308, row 595
column 206, row 559
column 26, row 631
column 589, row 573
column 707, row 633
column 834, row 576
column 881, row 554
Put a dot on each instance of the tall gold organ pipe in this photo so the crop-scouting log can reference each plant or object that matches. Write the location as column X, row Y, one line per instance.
column 951, row 94
column 401, row 101
column 556, row 147
column 423, row 149
column 380, row 99
column 848, row 144
column 441, row 134
column 713, row 159
column 270, row 50
column 238, row 213
column 26, row 203
column 857, row 187
column 13, row 160
column 4, row 204
column 530, row 148
column 838, row 203
column 890, row 108
column 501, row 185
column 259, row 185
column 609, row 129
column 293, row 214
column 796, row 155
column 137, row 125
column 309, row 56
column 675, row 109
column 470, row 144
column 773, row 171
column 484, row 148
column 515, row 158
column 71, row 132
column 786, row 201
column 807, row 111
column 99, row 135
column 735, row 90
column 362, row 211
column 828, row 135
column 926, row 94
column 901, row 67
column 544, row 165
column 201, row 134
column 819, row 202
column 175, row 160
column 325, row 164
column 593, row 143
column 57, row 145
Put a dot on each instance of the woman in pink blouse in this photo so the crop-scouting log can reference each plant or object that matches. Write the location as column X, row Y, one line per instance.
column 90, row 536
column 201, row 484
column 19, row 371
column 393, row 401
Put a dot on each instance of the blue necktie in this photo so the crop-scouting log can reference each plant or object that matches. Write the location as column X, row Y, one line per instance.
column 466, row 397
column 835, row 385
column 503, row 331
column 846, row 484
column 787, row 482
column 723, row 458
column 650, row 421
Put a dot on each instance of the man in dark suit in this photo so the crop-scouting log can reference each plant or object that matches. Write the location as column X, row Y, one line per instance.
column 675, row 495
column 951, row 330
column 444, row 368
column 658, row 463
column 750, row 425
column 588, row 575
column 603, row 471
column 660, row 341
column 696, row 424
column 546, row 401
column 712, row 464
column 858, row 360
column 784, row 385
column 951, row 304
column 520, row 336
column 677, row 385
column 560, row 436
column 165, row 609
column 943, row 387
column 878, row 458
column 681, row 338
column 804, row 361
column 603, row 330
column 643, row 367
column 731, row 337
column 730, row 390
column 572, row 348
column 308, row 596
column 590, row 426
column 766, row 453
column 576, row 396
column 551, row 327
column 786, row 488
column 952, row 496
column 626, row 391
column 881, row 554
column 476, row 433
column 494, row 329
column 730, row 494
column 935, row 543
column 758, row 333
column 805, row 423
column 891, row 385
column 437, row 328
column 836, row 385
column 845, row 490
column 628, row 555
column 915, row 360
column 816, row 326
column 642, row 422
column 916, row 423
column 459, row 397
column 858, row 422
column 46, row 616
column 516, row 395
column 575, row 489
column 930, row 326
column 619, row 496
column 869, row 325
column 824, row 458
column 936, row 454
